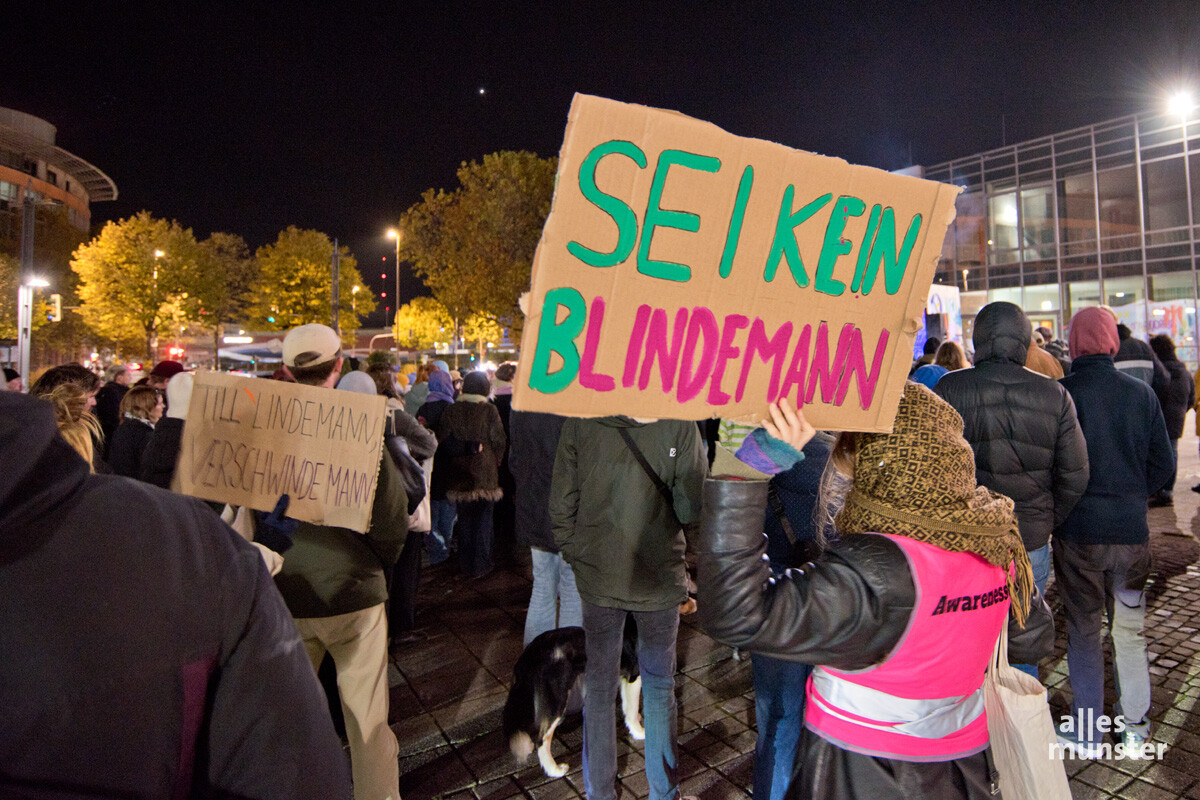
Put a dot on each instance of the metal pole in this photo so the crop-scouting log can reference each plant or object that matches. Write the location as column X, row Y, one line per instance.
column 24, row 326
column 396, row 266
column 25, row 291
column 336, row 268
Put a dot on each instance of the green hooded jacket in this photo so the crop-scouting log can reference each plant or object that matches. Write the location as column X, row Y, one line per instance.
column 610, row 521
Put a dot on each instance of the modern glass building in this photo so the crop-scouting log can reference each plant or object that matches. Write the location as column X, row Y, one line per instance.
column 1107, row 214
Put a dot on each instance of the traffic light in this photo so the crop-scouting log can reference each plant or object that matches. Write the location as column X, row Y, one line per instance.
column 55, row 312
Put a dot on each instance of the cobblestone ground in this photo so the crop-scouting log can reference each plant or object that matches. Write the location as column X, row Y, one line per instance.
column 447, row 691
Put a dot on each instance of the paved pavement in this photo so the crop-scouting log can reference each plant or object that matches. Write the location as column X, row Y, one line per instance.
column 447, row 692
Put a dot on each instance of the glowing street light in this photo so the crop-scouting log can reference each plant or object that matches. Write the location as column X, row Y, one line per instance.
column 25, row 322
column 1180, row 104
column 394, row 233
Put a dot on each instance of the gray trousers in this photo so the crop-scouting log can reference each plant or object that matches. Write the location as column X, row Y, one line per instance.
column 1095, row 580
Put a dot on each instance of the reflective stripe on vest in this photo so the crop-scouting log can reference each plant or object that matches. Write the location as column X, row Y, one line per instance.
column 926, row 719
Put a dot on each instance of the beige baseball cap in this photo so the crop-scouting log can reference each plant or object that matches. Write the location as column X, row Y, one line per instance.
column 309, row 345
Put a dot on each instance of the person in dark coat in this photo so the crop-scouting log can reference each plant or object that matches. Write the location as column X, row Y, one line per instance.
column 118, row 377
column 505, row 511
column 141, row 409
column 1102, row 549
column 554, row 601
column 470, row 445
column 1176, row 399
column 135, row 675
column 162, row 451
column 1135, row 357
column 443, row 515
column 1023, row 430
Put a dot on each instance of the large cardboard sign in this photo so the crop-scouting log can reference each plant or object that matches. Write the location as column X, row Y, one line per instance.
column 688, row 273
column 246, row 441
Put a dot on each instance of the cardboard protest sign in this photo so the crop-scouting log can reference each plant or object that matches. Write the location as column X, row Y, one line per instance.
column 246, row 441
column 688, row 273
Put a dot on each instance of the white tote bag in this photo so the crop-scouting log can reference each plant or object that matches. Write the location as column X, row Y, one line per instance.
column 1022, row 732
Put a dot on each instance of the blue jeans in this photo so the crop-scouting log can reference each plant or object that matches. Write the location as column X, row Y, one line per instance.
column 779, row 687
column 441, row 530
column 554, row 602
column 657, row 631
column 1039, row 559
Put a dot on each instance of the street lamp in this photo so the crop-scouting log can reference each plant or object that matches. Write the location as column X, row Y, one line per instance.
column 353, row 304
column 394, row 233
column 25, row 322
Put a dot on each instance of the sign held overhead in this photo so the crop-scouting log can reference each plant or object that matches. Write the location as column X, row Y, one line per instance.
column 688, row 273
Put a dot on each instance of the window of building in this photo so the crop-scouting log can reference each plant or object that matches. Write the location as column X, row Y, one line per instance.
column 968, row 230
column 1037, row 223
column 1003, row 239
column 1164, row 191
column 1119, row 224
column 1077, row 213
column 1080, row 295
column 52, row 177
column 8, row 191
column 1012, row 295
column 1194, row 169
column 1040, row 299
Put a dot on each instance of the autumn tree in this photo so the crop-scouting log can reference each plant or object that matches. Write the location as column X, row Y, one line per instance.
column 220, row 292
column 10, row 281
column 474, row 246
column 135, row 278
column 422, row 324
column 294, row 284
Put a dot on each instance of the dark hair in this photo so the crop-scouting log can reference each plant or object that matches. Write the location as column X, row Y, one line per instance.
column 477, row 383
column 1123, row 331
column 316, row 374
column 932, row 344
column 385, row 380
column 1047, row 334
column 79, row 375
column 1163, row 347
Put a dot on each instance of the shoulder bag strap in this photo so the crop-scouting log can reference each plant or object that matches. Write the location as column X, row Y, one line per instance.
column 663, row 489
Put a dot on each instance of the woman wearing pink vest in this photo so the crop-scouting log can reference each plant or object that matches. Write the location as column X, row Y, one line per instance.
column 901, row 615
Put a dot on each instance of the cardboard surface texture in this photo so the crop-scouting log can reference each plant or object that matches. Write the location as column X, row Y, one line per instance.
column 246, row 441
column 688, row 273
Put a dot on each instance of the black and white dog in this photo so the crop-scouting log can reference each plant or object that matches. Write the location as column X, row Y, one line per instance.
column 543, row 677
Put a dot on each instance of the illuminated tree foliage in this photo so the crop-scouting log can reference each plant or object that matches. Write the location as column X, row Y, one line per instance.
column 293, row 284
column 474, row 246
column 129, row 293
column 423, row 323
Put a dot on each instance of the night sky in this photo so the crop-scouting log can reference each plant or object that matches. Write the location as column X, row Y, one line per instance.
column 249, row 117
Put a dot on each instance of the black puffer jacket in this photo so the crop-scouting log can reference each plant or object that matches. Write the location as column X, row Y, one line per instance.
column 1178, row 397
column 847, row 609
column 531, row 452
column 1021, row 425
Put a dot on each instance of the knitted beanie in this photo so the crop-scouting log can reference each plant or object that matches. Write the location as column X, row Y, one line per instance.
column 919, row 481
column 477, row 383
column 1093, row 331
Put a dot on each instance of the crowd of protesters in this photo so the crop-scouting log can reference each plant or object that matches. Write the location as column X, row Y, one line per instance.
column 1033, row 454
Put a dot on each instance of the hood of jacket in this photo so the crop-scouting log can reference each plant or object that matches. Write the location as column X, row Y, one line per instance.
column 40, row 471
column 1002, row 333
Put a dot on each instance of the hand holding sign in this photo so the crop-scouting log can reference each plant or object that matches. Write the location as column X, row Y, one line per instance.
column 787, row 425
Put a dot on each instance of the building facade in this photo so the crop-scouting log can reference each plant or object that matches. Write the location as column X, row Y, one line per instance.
column 1108, row 214
column 30, row 161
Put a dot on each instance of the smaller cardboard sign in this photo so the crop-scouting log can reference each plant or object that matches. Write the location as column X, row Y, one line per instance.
column 246, row 441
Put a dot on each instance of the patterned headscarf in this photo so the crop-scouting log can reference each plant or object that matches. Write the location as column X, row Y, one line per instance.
column 919, row 482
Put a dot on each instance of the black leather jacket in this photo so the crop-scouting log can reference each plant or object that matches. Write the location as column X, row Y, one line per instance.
column 847, row 609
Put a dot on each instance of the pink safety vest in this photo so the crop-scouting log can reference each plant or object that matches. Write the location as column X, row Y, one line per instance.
column 925, row 701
